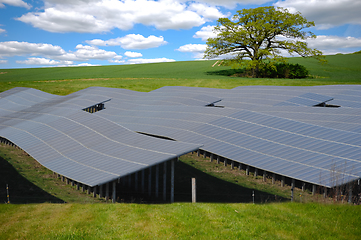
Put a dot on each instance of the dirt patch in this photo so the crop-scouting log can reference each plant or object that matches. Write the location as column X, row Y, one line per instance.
column 3, row 72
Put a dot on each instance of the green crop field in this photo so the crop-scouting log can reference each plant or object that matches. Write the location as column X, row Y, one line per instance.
column 224, row 209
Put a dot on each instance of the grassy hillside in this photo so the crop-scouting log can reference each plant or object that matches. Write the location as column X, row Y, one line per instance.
column 341, row 69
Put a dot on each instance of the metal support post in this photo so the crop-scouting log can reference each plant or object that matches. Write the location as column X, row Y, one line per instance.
column 172, row 182
column 129, row 180
column 313, row 189
column 156, row 181
column 95, row 191
column 143, row 181
column 165, row 181
column 264, row 176
column 100, row 191
column 150, row 181
column 114, row 196
column 107, row 191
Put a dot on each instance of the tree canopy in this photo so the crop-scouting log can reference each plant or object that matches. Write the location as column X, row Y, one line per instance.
column 260, row 34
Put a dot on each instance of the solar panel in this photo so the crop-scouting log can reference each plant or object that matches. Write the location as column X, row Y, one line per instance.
column 268, row 127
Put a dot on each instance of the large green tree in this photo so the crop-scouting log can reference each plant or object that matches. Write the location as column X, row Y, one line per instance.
column 260, row 34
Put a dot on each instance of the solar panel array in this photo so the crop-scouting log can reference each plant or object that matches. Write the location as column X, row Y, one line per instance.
column 78, row 145
column 276, row 129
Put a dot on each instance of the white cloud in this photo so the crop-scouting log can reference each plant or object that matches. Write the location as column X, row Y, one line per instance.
column 91, row 52
column 326, row 13
column 16, row 3
column 155, row 60
column 232, row 3
column 47, row 54
column 196, row 49
column 2, row 30
column 116, row 61
column 133, row 54
column 206, row 11
column 99, row 42
column 84, row 65
column 43, row 61
column 131, row 41
column 137, row 41
column 103, row 15
column 205, row 33
column 335, row 44
column 193, row 48
column 14, row 48
column 3, row 61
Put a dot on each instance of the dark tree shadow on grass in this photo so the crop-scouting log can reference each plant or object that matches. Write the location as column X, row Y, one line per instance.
column 227, row 72
column 20, row 189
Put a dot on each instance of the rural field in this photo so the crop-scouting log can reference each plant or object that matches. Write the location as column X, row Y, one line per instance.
column 44, row 207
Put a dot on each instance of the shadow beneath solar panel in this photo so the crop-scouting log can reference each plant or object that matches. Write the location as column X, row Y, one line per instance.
column 209, row 189
column 227, row 72
column 215, row 190
column 21, row 190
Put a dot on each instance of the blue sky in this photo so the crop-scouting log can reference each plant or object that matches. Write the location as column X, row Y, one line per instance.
column 51, row 33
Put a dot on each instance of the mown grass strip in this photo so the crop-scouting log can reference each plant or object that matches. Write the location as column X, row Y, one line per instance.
column 180, row 221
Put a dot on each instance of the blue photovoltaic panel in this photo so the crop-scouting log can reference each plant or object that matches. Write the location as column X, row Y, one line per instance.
column 268, row 127
column 82, row 146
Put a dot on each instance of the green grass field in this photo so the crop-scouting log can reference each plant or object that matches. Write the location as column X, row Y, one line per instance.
column 180, row 221
column 224, row 210
column 341, row 69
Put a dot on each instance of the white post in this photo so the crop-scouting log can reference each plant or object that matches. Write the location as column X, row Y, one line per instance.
column 194, row 188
